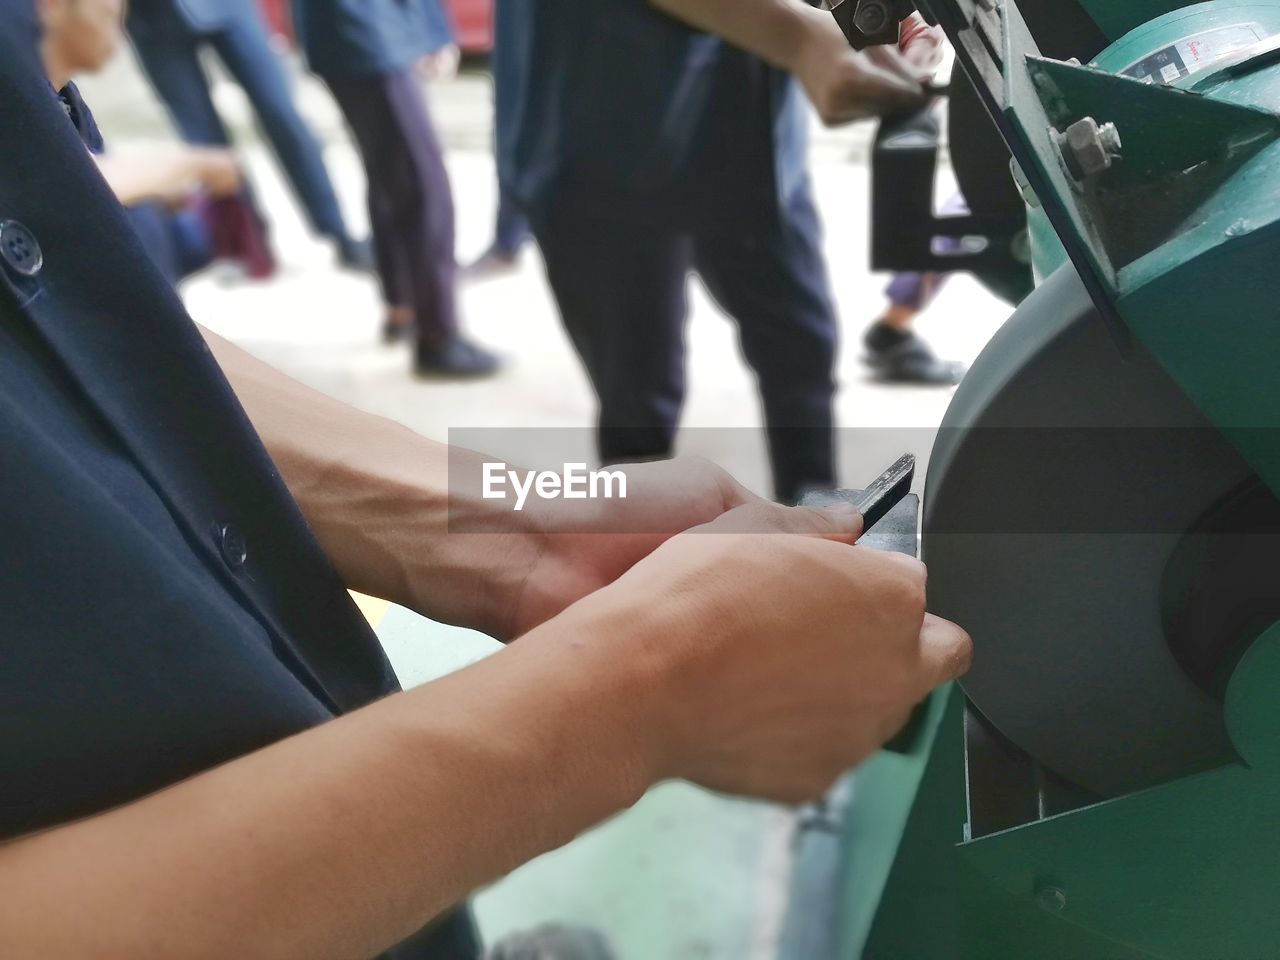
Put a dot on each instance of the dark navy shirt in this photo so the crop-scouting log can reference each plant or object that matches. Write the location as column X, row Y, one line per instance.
column 616, row 101
column 164, row 606
column 362, row 38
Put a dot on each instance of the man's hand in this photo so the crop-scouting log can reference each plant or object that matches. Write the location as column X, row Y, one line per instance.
column 922, row 46
column 584, row 548
column 761, row 655
column 784, row 655
column 845, row 85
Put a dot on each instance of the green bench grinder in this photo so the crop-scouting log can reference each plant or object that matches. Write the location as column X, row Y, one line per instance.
column 1101, row 514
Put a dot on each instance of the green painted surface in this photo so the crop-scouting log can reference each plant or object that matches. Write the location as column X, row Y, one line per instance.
column 1184, row 234
column 933, row 903
column 1118, row 17
column 1185, row 230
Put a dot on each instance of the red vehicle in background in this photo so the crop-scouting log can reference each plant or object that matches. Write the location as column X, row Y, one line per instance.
column 472, row 19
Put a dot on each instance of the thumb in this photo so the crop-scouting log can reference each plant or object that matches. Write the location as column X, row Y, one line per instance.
column 840, row 522
column 889, row 88
column 946, row 652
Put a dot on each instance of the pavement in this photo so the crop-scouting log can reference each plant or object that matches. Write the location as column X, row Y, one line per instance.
column 685, row 874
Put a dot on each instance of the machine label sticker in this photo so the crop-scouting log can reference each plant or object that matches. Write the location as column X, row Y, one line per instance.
column 1196, row 53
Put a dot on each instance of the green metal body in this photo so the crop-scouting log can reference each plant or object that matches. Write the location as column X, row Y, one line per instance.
column 1182, row 238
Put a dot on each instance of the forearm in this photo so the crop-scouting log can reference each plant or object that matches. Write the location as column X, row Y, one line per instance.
column 377, row 496
column 342, row 841
column 774, row 30
column 159, row 175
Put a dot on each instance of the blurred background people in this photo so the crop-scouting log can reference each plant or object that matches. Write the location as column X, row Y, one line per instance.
column 893, row 348
column 368, row 54
column 185, row 203
column 511, row 234
column 645, row 149
column 169, row 36
column 511, row 230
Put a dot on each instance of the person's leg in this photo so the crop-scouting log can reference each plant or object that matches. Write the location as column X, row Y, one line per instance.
column 169, row 56
column 369, row 117
column 510, row 233
column 411, row 208
column 511, row 229
column 621, row 290
column 773, row 282
column 893, row 348
column 245, row 48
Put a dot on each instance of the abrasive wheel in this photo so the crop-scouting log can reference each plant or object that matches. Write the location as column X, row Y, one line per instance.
column 1103, row 544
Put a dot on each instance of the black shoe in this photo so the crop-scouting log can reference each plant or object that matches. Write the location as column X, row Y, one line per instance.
column 494, row 262
column 394, row 332
column 454, row 359
column 355, row 254
column 900, row 356
column 553, row 943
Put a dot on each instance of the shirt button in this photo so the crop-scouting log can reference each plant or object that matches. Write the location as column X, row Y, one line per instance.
column 19, row 248
column 231, row 543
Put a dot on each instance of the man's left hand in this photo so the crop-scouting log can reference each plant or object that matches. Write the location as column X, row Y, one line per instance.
column 581, row 550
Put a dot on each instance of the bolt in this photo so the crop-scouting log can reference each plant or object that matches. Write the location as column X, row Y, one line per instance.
column 871, row 17
column 1089, row 148
column 1051, row 898
column 987, row 5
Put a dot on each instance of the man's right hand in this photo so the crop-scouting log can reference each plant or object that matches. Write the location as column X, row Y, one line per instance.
column 845, row 85
column 782, row 655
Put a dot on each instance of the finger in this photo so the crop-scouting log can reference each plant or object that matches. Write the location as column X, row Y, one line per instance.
column 946, row 651
column 908, row 567
column 924, row 59
column 841, row 522
column 882, row 91
column 892, row 61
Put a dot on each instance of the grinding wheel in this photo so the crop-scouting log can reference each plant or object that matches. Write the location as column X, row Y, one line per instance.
column 1064, row 484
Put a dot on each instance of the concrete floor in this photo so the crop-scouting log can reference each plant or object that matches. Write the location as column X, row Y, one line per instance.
column 685, row 874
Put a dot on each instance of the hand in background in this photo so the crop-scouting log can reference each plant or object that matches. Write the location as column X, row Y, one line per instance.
column 441, row 64
column 845, row 85
column 922, row 46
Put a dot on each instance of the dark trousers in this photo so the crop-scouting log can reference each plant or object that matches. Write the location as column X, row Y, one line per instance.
column 511, row 227
column 410, row 200
column 169, row 53
column 620, row 283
